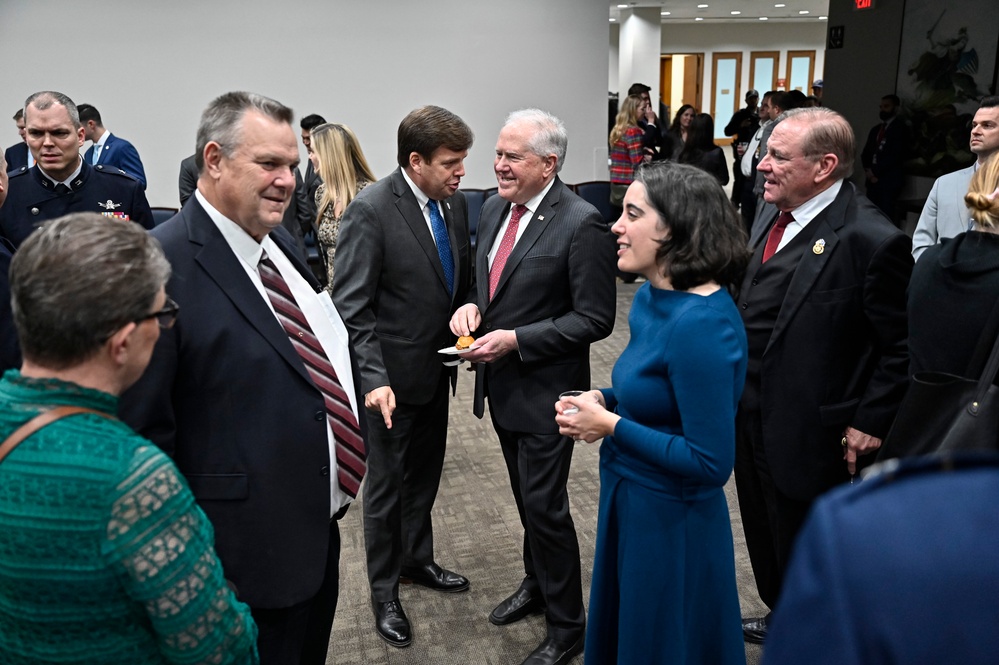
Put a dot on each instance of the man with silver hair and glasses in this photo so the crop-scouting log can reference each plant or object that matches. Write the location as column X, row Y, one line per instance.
column 544, row 291
column 253, row 391
column 823, row 301
column 61, row 181
column 104, row 554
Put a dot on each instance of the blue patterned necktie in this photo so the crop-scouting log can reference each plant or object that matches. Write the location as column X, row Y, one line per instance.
column 443, row 244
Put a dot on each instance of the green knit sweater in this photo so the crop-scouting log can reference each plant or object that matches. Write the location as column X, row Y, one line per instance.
column 104, row 555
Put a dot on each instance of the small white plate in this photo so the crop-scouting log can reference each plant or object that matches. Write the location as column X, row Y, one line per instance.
column 452, row 351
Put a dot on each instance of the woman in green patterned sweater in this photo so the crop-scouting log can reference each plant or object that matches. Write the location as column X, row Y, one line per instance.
column 104, row 555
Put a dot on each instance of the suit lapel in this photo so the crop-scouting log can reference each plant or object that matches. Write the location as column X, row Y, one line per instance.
column 217, row 259
column 409, row 208
column 811, row 264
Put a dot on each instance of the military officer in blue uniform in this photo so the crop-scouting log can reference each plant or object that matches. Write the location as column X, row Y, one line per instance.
column 61, row 181
column 902, row 568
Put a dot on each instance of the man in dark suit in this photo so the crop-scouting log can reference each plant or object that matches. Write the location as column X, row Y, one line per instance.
column 312, row 179
column 823, row 302
column 188, row 180
column 899, row 569
column 18, row 154
column 107, row 148
column 883, row 155
column 61, row 181
column 253, row 391
column 544, row 292
column 403, row 266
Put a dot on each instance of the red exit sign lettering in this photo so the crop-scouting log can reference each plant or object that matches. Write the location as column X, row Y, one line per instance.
column 863, row 4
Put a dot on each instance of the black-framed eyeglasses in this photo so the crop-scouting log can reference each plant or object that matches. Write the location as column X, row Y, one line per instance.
column 166, row 317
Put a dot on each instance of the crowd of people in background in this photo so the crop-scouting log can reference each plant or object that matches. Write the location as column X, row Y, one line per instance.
column 228, row 402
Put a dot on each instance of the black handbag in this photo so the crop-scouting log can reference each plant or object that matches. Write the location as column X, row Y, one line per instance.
column 944, row 413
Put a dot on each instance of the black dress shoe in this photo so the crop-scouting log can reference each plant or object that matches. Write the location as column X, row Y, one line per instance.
column 754, row 631
column 515, row 608
column 433, row 577
column 550, row 652
column 392, row 624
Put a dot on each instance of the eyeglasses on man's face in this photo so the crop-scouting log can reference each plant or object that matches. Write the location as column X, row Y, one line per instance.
column 165, row 317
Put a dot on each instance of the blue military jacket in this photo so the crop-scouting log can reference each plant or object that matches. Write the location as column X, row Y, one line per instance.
column 33, row 199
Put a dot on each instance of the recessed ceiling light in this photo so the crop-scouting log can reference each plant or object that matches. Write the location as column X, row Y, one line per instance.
column 664, row 13
column 698, row 19
column 803, row 11
column 823, row 18
column 622, row 6
column 764, row 18
column 780, row 5
column 702, row 6
column 612, row 20
column 735, row 13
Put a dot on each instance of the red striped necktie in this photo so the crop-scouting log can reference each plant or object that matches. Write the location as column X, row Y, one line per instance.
column 350, row 454
column 506, row 246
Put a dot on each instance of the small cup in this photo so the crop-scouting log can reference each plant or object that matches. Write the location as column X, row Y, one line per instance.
column 569, row 410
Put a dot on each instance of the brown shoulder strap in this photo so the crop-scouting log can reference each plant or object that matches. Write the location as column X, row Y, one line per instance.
column 41, row 420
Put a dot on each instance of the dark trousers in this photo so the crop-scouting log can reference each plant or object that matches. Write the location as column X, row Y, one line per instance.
column 300, row 634
column 404, row 474
column 770, row 519
column 538, row 465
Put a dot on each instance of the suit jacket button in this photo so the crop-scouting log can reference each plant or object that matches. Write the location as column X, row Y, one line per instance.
column 35, row 211
column 320, row 415
column 755, row 282
column 745, row 305
column 325, row 471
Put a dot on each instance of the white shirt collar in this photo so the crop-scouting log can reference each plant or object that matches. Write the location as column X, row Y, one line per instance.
column 103, row 140
column 421, row 198
column 533, row 203
column 808, row 210
column 241, row 242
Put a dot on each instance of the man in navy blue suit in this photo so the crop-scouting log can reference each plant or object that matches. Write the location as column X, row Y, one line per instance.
column 107, row 148
column 899, row 569
column 257, row 432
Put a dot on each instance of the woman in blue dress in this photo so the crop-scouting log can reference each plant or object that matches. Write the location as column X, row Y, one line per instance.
column 664, row 586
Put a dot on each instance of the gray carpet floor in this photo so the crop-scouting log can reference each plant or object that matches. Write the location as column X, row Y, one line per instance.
column 478, row 533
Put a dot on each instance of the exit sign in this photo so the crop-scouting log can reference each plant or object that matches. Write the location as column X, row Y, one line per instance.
column 863, row 4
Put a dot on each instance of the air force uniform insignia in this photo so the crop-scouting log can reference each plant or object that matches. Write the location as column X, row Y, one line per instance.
column 110, row 205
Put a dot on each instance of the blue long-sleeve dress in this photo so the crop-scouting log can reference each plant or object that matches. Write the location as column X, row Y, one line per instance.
column 664, row 587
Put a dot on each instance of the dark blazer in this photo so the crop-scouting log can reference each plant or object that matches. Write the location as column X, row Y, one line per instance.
column 119, row 152
column 188, row 180
column 16, row 156
column 880, row 559
column 885, row 158
column 397, row 310
column 558, row 293
column 837, row 355
column 228, row 398
column 32, row 199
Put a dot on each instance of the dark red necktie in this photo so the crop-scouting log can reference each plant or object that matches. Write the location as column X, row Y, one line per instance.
column 776, row 233
column 506, row 246
column 348, row 444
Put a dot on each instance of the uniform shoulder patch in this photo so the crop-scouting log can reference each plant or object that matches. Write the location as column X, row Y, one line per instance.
column 114, row 170
column 17, row 172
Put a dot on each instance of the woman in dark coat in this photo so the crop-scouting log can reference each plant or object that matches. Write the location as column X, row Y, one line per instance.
column 700, row 149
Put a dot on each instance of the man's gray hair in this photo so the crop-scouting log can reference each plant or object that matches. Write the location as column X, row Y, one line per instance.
column 825, row 132
column 549, row 136
column 78, row 280
column 46, row 98
column 221, row 121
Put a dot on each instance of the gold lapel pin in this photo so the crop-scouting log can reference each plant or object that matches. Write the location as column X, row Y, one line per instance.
column 819, row 246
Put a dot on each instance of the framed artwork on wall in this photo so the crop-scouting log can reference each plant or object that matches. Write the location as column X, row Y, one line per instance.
column 947, row 63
